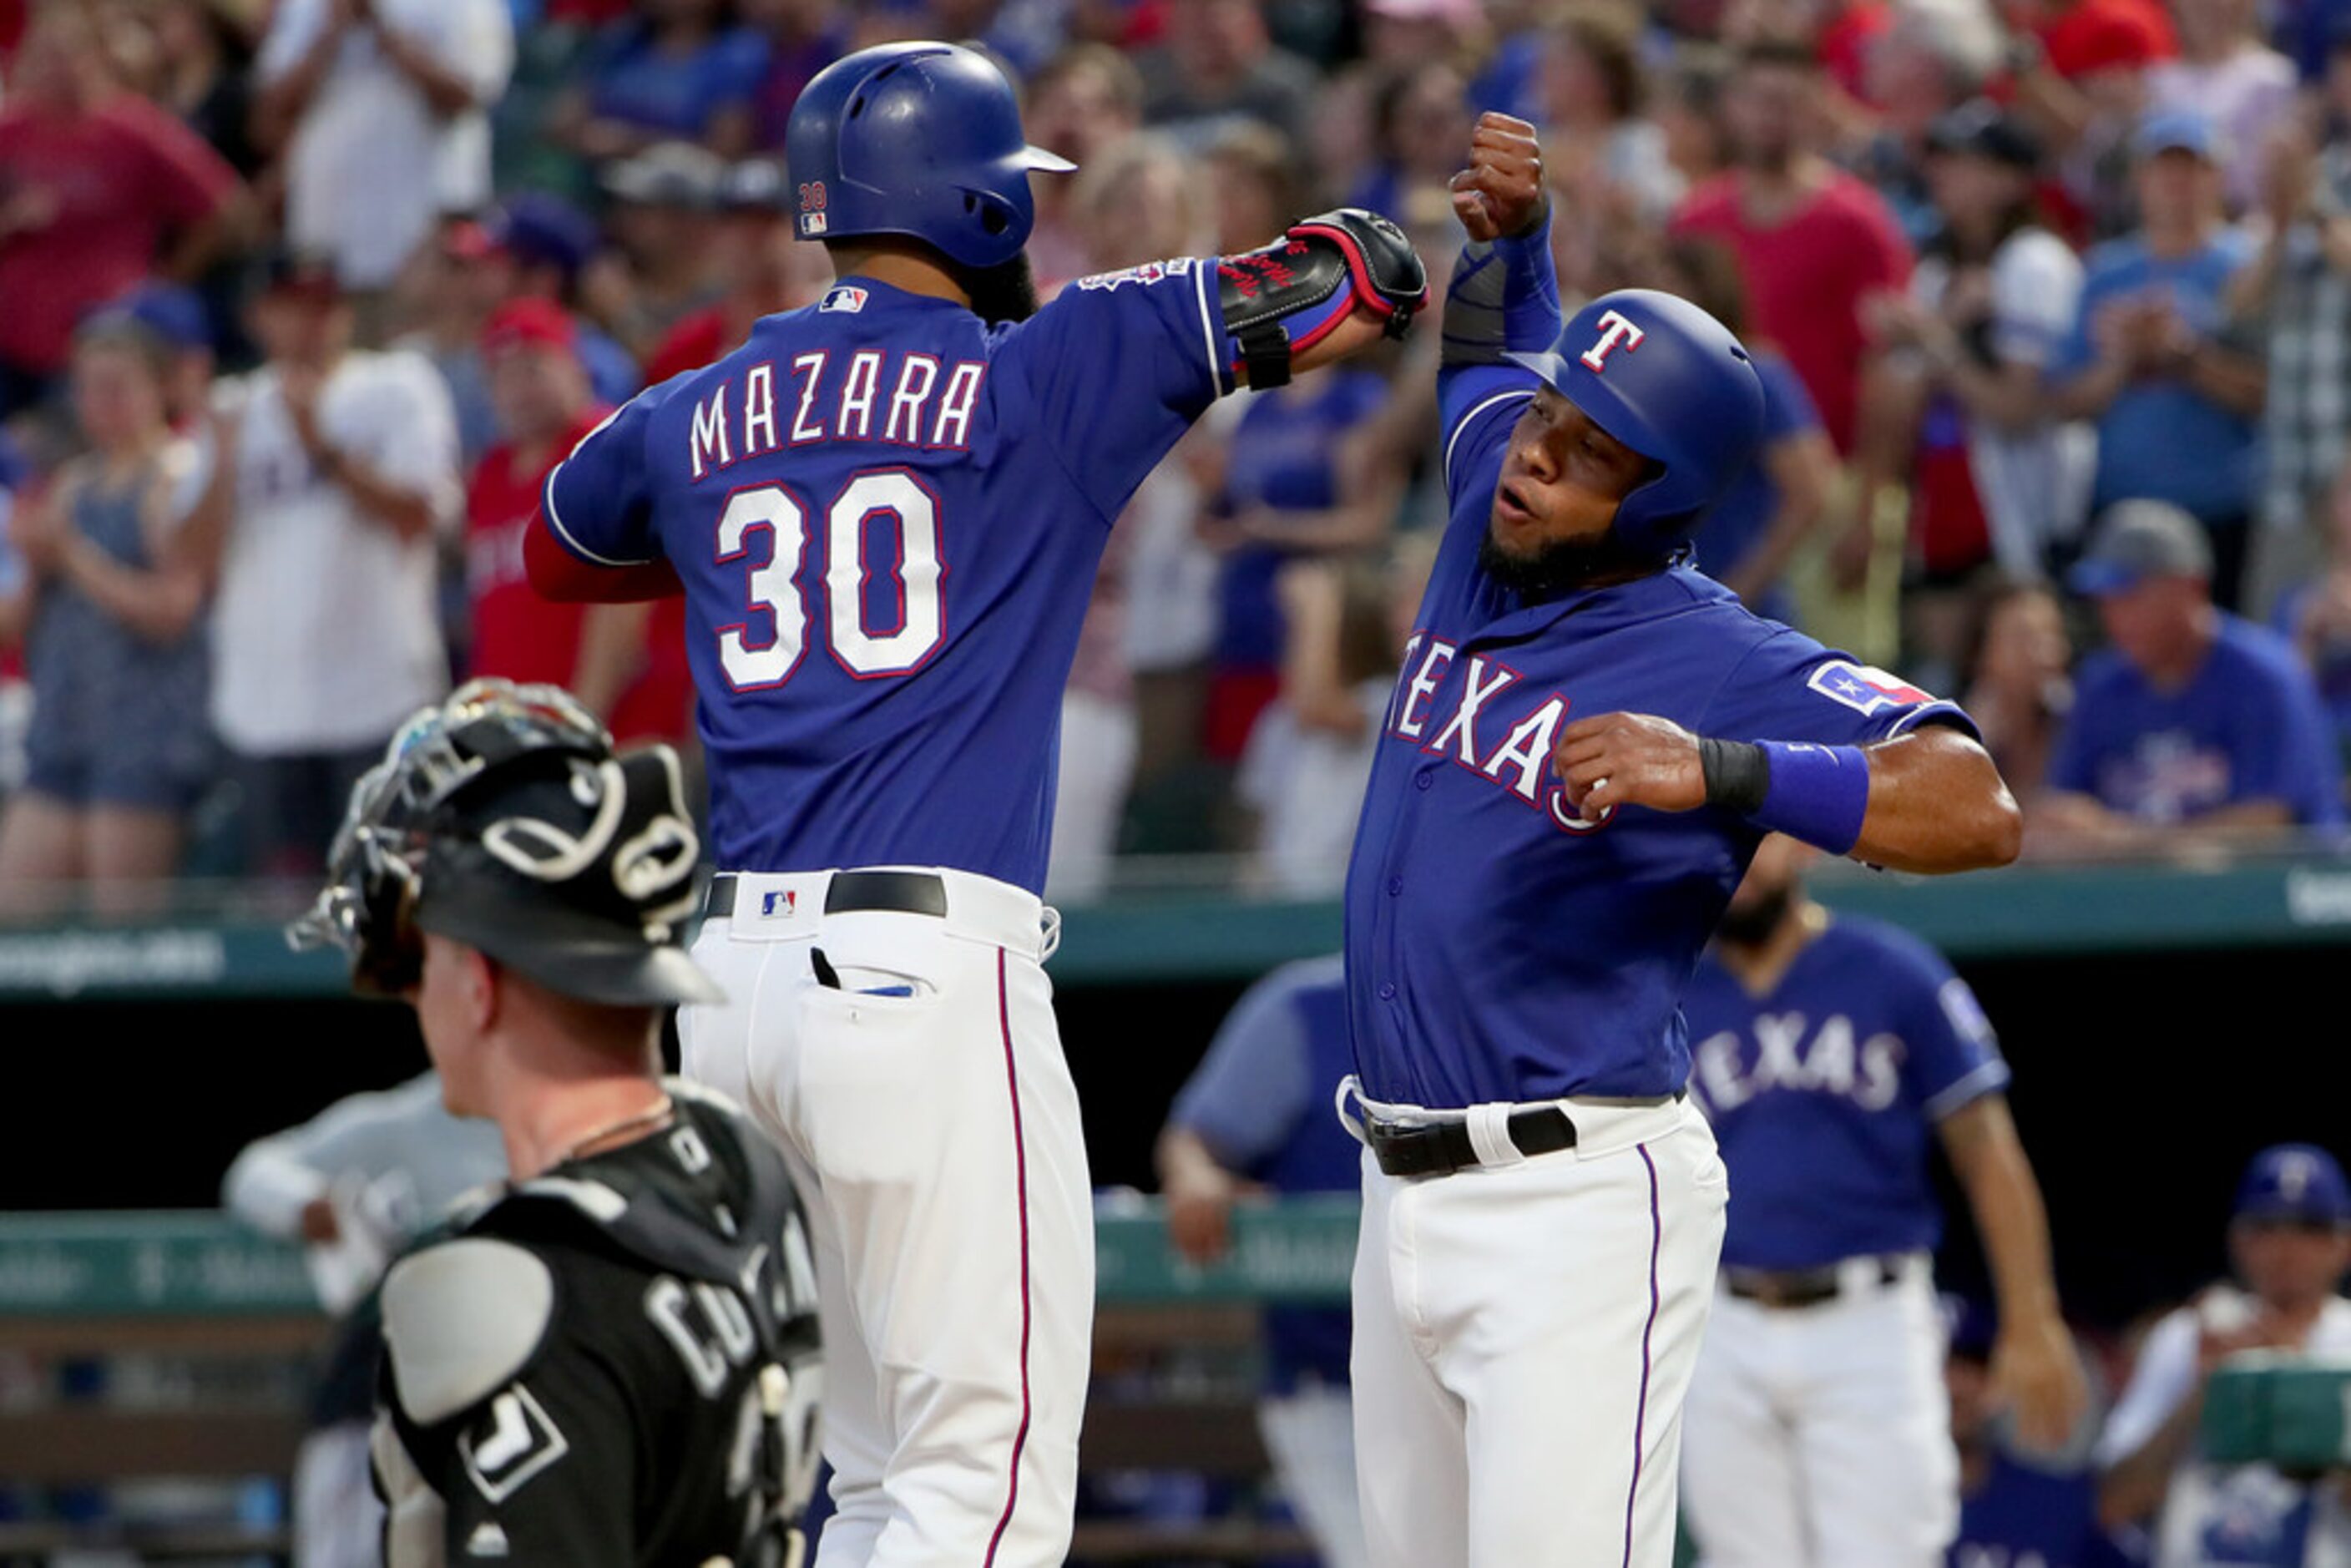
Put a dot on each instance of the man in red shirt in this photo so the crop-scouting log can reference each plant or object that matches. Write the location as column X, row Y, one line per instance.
column 541, row 393
column 93, row 180
column 1813, row 242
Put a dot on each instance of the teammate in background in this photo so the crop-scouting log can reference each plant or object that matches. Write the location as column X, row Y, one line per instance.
column 355, row 1184
column 613, row 1361
column 1257, row 1112
column 887, row 511
column 1828, row 1052
column 2011, row 1514
column 2290, row 1241
column 1530, row 888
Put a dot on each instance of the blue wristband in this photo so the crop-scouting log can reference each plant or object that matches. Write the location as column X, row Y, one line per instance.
column 1817, row 793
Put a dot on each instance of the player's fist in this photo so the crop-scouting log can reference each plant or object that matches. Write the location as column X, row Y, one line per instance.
column 1629, row 759
column 2039, row 1379
column 1502, row 191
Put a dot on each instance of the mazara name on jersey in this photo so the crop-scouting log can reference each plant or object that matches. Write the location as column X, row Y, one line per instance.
column 885, row 397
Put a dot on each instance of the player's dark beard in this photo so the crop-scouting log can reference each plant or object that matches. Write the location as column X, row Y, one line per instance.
column 1001, row 294
column 1752, row 924
column 1564, row 567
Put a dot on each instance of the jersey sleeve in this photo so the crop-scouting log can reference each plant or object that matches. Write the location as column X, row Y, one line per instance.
column 597, row 501
column 1954, row 1057
column 1789, row 687
column 1118, row 366
column 2165, row 1376
column 538, row 1475
column 1252, row 1089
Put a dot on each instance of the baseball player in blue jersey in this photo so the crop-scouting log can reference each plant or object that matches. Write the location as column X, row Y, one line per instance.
column 1587, row 741
column 885, row 511
column 1828, row 1052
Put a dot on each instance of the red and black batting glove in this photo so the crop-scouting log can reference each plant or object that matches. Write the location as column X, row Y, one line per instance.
column 1283, row 299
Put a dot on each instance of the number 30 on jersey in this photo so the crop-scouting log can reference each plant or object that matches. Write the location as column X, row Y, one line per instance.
column 776, row 586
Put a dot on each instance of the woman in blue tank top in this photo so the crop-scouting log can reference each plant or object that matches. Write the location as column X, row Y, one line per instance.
column 118, row 747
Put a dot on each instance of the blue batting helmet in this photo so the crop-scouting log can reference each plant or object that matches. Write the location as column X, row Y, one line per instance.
column 1670, row 382
column 922, row 140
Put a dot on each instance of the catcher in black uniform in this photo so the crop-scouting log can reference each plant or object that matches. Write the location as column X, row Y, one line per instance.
column 611, row 1360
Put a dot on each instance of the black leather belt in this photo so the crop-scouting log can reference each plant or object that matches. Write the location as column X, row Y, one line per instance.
column 1799, row 1287
column 902, row 892
column 1440, row 1148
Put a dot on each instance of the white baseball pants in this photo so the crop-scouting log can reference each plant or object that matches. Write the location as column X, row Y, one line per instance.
column 1820, row 1437
column 1524, row 1333
column 936, row 1142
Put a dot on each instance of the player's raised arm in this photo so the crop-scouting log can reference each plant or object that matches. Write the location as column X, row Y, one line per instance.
column 1929, row 799
column 1333, row 285
column 1505, row 291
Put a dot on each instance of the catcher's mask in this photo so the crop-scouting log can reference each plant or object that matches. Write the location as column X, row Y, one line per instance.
column 503, row 819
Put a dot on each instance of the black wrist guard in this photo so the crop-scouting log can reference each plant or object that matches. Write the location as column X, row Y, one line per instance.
column 1280, row 300
column 1738, row 774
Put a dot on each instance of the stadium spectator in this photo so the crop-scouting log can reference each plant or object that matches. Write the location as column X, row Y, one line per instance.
column 2289, row 1243
column 98, row 189
column 2079, row 71
column 762, row 265
column 2239, row 85
column 207, row 77
column 380, row 109
column 529, row 348
column 542, row 247
column 451, row 293
column 176, row 317
column 1420, row 124
column 2013, row 1514
column 671, row 70
column 663, row 267
column 1345, row 623
column 1218, row 61
column 1400, row 33
column 2297, row 293
column 1689, row 112
column 325, row 634
column 2020, row 686
column 1603, row 148
column 1085, row 100
column 2194, row 726
column 802, row 37
column 1253, row 175
column 1748, row 538
column 1934, row 56
column 2154, row 360
column 1997, row 485
column 1254, row 1118
column 355, row 1184
column 118, row 751
column 1812, row 241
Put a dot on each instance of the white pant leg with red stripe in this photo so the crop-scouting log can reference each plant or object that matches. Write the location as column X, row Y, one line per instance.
column 1524, row 1335
column 938, row 1138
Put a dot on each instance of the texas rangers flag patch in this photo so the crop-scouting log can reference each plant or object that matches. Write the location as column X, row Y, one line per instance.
column 1865, row 688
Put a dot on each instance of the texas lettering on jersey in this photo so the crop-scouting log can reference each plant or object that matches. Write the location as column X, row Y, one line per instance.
column 1520, row 761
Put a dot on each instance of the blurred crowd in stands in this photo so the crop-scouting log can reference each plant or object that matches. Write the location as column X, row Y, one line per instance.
column 299, row 299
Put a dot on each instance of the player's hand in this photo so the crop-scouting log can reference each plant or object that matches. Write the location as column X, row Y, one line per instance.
column 1199, row 1211
column 1502, row 191
column 2036, row 1374
column 1629, row 759
column 321, row 1223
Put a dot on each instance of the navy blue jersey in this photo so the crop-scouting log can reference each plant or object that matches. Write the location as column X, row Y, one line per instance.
column 1824, row 1093
column 1498, row 947
column 887, row 517
column 2025, row 1518
column 1261, row 1101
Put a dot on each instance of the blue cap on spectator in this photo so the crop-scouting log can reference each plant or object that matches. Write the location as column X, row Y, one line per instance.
column 2295, row 1182
column 2178, row 131
column 540, row 230
column 2137, row 540
column 172, row 313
